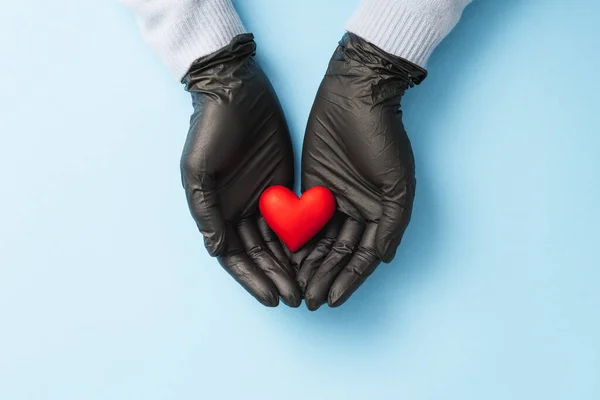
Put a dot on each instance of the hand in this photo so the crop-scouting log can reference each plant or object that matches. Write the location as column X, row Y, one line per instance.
column 356, row 145
column 237, row 146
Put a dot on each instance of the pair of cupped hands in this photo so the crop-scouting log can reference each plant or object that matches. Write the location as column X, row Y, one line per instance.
column 355, row 145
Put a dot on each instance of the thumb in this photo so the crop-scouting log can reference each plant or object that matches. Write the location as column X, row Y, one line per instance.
column 392, row 224
column 202, row 198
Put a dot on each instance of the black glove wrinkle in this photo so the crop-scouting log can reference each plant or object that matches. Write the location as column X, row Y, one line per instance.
column 217, row 69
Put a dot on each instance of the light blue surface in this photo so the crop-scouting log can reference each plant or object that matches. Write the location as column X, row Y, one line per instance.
column 107, row 293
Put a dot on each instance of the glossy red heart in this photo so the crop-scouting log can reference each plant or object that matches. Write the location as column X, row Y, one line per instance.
column 296, row 219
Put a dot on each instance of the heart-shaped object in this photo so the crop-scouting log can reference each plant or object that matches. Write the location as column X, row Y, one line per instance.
column 296, row 219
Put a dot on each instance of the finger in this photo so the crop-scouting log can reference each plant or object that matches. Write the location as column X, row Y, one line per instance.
column 361, row 265
column 299, row 256
column 237, row 263
column 274, row 246
column 341, row 252
column 275, row 271
column 394, row 219
column 319, row 251
column 201, row 193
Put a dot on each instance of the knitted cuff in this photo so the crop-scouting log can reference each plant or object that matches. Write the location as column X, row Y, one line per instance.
column 182, row 31
column 410, row 29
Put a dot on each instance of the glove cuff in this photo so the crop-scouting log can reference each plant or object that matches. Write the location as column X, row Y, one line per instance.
column 182, row 31
column 410, row 29
column 384, row 64
column 228, row 59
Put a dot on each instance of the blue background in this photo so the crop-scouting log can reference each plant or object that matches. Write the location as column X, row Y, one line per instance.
column 107, row 293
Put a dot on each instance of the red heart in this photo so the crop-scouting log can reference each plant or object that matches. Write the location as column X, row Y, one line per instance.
column 296, row 220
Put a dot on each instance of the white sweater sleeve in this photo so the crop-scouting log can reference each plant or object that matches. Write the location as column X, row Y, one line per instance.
column 410, row 29
column 181, row 31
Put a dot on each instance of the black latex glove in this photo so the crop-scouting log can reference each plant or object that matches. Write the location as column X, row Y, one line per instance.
column 356, row 145
column 237, row 146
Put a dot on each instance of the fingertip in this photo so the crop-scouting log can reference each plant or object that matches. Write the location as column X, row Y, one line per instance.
column 313, row 302
column 362, row 265
column 242, row 269
column 295, row 302
column 335, row 299
column 312, row 305
column 292, row 299
column 386, row 247
column 268, row 299
column 389, row 256
column 338, row 294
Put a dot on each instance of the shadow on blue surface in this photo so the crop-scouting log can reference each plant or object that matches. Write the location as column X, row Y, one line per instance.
column 385, row 292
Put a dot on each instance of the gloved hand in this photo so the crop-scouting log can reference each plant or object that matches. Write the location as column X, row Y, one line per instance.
column 356, row 145
column 237, row 146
